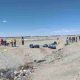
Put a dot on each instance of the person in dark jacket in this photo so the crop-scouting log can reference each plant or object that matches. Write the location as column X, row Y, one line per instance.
column 22, row 40
column 11, row 43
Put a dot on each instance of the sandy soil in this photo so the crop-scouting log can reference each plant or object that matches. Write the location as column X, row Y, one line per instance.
column 61, row 64
column 67, row 68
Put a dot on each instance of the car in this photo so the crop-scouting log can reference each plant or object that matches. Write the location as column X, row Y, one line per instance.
column 52, row 46
column 31, row 46
column 55, row 43
column 36, row 46
column 45, row 45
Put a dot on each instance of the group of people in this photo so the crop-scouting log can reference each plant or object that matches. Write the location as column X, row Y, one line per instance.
column 71, row 40
column 13, row 43
column 4, row 42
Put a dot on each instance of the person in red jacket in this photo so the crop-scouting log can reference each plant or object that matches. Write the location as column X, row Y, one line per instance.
column 2, row 42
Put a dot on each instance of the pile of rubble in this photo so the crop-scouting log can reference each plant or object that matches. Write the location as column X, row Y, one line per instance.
column 22, row 73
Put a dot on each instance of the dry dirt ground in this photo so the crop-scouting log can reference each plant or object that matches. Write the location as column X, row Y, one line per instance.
column 63, row 64
column 67, row 68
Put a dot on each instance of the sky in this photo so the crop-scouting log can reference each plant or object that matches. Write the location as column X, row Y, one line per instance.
column 39, row 17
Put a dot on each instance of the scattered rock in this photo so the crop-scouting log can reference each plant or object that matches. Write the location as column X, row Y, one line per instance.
column 22, row 73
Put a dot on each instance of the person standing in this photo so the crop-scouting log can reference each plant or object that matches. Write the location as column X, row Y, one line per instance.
column 67, row 41
column 2, row 41
column 22, row 40
column 14, row 42
column 76, row 39
column 5, row 42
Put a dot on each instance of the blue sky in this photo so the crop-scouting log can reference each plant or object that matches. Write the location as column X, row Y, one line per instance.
column 39, row 17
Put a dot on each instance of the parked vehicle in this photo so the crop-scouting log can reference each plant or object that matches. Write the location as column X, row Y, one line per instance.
column 45, row 45
column 31, row 46
column 52, row 46
column 55, row 43
column 34, row 46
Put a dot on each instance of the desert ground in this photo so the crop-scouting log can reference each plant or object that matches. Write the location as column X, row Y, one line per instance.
column 62, row 63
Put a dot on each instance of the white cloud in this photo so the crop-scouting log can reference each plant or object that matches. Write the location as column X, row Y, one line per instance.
column 4, row 21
